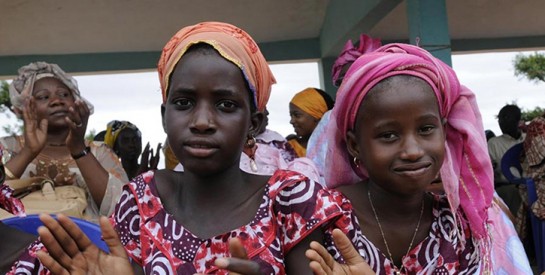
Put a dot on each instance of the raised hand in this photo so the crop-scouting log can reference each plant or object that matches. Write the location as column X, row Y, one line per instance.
column 35, row 131
column 149, row 160
column 321, row 262
column 77, row 119
column 71, row 251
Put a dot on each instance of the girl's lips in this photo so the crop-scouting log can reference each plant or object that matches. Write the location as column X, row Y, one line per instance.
column 413, row 170
column 200, row 150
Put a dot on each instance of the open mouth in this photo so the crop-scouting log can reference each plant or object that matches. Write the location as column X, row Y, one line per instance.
column 200, row 149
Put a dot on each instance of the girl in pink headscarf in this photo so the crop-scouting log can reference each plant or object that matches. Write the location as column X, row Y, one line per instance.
column 401, row 119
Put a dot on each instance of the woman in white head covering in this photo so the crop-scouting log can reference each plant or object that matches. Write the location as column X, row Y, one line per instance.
column 53, row 144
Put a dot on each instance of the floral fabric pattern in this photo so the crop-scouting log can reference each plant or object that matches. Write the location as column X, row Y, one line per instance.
column 292, row 207
column 446, row 250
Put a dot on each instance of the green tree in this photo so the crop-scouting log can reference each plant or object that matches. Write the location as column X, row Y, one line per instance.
column 528, row 115
column 5, row 110
column 530, row 66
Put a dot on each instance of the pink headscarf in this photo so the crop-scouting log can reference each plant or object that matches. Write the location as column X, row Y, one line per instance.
column 466, row 172
column 351, row 53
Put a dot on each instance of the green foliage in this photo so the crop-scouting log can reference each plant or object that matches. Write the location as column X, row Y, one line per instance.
column 5, row 103
column 91, row 135
column 531, row 67
column 528, row 115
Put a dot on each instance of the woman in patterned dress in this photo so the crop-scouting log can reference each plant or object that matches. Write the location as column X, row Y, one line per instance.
column 401, row 119
column 53, row 144
column 215, row 84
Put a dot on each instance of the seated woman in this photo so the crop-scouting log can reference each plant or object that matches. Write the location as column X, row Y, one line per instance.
column 53, row 145
column 126, row 141
column 306, row 109
column 401, row 118
column 18, row 253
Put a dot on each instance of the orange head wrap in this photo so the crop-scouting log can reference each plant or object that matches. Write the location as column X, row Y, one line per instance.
column 311, row 102
column 232, row 44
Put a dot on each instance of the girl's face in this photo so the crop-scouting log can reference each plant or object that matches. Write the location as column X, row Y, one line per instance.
column 303, row 123
column 399, row 135
column 52, row 99
column 207, row 114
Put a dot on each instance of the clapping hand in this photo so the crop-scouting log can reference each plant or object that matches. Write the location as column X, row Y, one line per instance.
column 35, row 131
column 71, row 251
column 321, row 262
column 77, row 119
column 149, row 160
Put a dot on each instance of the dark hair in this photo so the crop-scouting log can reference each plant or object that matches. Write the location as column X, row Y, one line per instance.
column 510, row 111
column 207, row 49
column 327, row 98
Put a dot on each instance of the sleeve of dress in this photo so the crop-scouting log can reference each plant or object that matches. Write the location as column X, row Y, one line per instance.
column 347, row 223
column 126, row 220
column 116, row 176
column 302, row 206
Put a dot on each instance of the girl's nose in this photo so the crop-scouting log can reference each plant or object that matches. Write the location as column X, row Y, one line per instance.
column 202, row 120
column 412, row 149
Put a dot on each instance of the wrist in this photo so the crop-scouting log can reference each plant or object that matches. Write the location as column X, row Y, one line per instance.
column 86, row 151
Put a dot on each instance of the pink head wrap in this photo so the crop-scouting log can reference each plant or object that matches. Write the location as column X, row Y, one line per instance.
column 351, row 53
column 233, row 44
column 466, row 172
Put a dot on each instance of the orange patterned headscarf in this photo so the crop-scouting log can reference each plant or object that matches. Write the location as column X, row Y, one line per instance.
column 233, row 44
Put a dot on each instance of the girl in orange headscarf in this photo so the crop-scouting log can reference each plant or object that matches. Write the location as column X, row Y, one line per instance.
column 215, row 85
column 306, row 109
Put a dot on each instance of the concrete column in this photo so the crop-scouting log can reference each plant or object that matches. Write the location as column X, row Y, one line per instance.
column 428, row 27
column 325, row 65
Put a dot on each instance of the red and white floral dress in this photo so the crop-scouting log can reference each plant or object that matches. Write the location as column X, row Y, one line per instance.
column 292, row 207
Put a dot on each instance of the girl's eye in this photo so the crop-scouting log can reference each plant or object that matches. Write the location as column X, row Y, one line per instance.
column 227, row 105
column 428, row 129
column 388, row 136
column 183, row 103
column 65, row 94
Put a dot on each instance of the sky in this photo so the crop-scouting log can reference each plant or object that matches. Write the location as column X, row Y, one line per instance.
column 136, row 96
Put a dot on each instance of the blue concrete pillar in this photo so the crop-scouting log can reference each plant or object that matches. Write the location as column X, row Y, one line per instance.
column 428, row 27
column 325, row 65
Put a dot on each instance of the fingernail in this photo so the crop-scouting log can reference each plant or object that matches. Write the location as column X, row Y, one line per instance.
column 222, row 263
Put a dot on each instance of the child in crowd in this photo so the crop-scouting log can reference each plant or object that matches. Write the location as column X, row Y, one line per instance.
column 126, row 141
column 215, row 84
column 401, row 118
column 307, row 108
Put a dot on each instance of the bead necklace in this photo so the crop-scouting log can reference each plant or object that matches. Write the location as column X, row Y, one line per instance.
column 384, row 238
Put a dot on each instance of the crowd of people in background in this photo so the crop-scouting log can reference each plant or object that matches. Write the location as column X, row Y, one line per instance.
column 395, row 176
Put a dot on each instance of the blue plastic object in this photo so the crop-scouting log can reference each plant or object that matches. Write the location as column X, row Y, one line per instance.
column 30, row 224
column 511, row 159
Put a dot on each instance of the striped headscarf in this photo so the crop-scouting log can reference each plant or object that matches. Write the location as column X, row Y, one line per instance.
column 233, row 44
column 115, row 127
column 466, row 172
column 22, row 85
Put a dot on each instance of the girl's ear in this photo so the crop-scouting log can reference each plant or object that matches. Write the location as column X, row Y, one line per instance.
column 163, row 117
column 256, row 121
column 352, row 144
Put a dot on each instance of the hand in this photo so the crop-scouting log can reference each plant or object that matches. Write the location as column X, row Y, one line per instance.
column 71, row 251
column 148, row 162
column 321, row 262
column 35, row 131
column 238, row 264
column 77, row 119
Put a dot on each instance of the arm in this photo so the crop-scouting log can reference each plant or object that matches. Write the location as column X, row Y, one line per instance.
column 295, row 260
column 96, row 177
